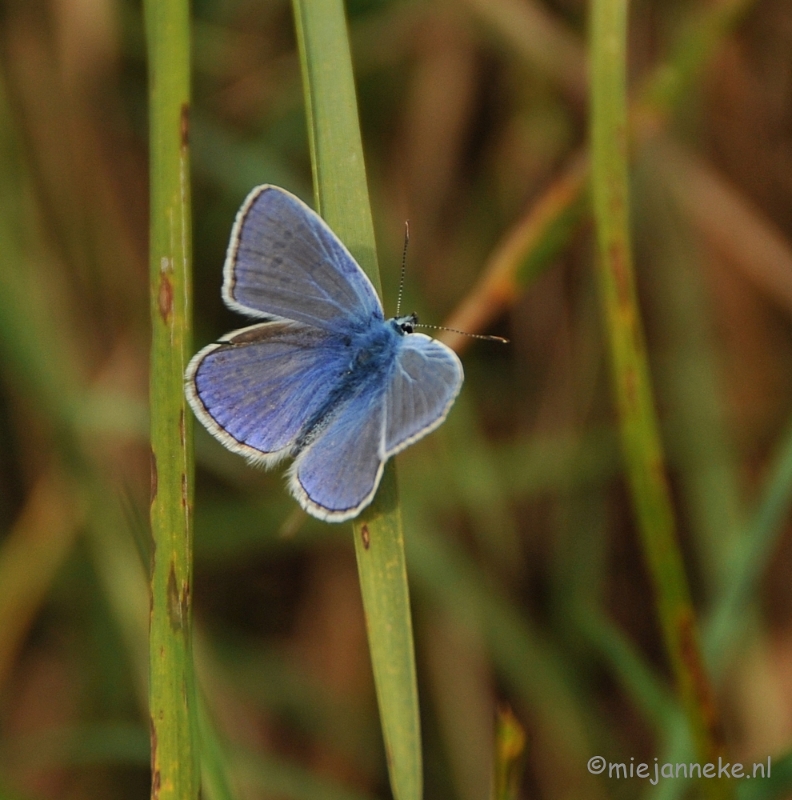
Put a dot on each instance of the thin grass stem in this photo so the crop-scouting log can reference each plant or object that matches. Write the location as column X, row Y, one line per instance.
column 342, row 199
column 174, row 730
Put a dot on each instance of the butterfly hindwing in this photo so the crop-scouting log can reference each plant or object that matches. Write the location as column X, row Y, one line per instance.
column 258, row 388
column 284, row 261
column 338, row 473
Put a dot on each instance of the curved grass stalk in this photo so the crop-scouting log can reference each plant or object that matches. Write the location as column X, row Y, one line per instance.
column 643, row 455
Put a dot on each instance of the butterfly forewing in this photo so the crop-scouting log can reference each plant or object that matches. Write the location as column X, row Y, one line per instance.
column 284, row 261
column 257, row 389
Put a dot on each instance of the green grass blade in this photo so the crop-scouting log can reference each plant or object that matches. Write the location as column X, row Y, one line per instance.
column 688, row 381
column 342, row 199
column 750, row 558
column 698, row 40
column 215, row 767
column 174, row 746
column 637, row 422
column 637, row 677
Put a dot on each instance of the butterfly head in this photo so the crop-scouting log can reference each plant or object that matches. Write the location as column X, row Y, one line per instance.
column 406, row 324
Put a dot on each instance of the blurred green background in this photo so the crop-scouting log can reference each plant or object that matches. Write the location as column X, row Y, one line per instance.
column 528, row 584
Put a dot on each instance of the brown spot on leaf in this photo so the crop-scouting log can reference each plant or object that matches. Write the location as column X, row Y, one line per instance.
column 165, row 299
column 657, row 472
column 152, row 564
column 694, row 666
column 155, row 772
column 621, row 273
column 631, row 388
column 185, row 124
column 153, row 476
column 175, row 611
column 184, row 490
column 622, row 141
column 365, row 536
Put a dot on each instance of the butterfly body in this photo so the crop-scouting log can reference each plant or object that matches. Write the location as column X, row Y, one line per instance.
column 325, row 378
column 366, row 368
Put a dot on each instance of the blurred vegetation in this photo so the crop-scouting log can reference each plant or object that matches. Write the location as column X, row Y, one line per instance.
column 528, row 584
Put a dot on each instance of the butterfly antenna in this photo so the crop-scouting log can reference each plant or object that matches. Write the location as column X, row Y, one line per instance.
column 404, row 265
column 486, row 337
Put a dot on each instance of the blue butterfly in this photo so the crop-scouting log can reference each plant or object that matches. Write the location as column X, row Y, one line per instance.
column 325, row 378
